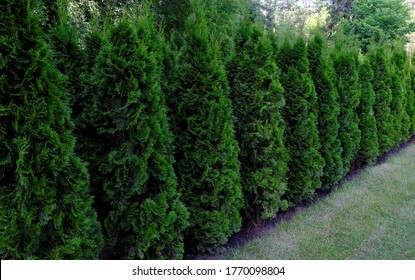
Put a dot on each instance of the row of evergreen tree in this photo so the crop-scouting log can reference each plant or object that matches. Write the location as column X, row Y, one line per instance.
column 132, row 146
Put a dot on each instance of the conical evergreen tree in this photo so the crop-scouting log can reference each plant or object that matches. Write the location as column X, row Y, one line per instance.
column 73, row 62
column 68, row 55
column 369, row 145
column 257, row 98
column 383, row 97
column 410, row 108
column 300, row 114
column 398, row 93
column 45, row 206
column 323, row 75
column 143, row 215
column 345, row 65
column 408, row 101
column 401, row 119
column 83, row 109
column 206, row 150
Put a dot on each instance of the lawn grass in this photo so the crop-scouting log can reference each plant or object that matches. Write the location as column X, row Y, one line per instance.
column 370, row 217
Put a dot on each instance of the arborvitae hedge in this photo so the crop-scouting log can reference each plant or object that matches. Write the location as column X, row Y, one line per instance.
column 323, row 75
column 345, row 64
column 314, row 115
column 369, row 144
column 411, row 95
column 45, row 206
column 144, row 217
column 300, row 115
column 383, row 97
column 206, row 150
column 69, row 59
column 257, row 98
column 401, row 121
column 397, row 89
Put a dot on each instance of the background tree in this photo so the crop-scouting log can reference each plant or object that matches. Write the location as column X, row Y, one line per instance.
column 302, row 14
column 45, row 206
column 300, row 114
column 379, row 20
column 257, row 98
column 207, row 153
column 323, row 75
column 339, row 10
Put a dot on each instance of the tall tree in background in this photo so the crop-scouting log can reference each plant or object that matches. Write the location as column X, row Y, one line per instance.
column 206, row 149
column 345, row 64
column 144, row 217
column 300, row 114
column 280, row 14
column 257, row 98
column 45, row 206
column 369, row 143
column 379, row 20
column 339, row 9
column 324, row 77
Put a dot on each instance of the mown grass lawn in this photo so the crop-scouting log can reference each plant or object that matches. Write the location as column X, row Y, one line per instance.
column 370, row 217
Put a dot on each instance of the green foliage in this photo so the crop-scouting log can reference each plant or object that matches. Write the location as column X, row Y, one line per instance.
column 379, row 20
column 339, row 9
column 105, row 72
column 70, row 59
column 300, row 115
column 45, row 206
column 401, row 119
column 369, row 144
column 257, row 98
column 324, row 77
column 222, row 17
column 383, row 97
column 206, row 150
column 173, row 13
column 82, row 112
column 143, row 215
column 346, row 64
column 410, row 109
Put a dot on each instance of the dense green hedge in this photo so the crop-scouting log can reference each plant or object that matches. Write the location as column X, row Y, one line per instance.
column 257, row 97
column 206, row 149
column 324, row 78
column 401, row 119
column 345, row 61
column 382, row 83
column 369, row 143
column 45, row 203
column 300, row 114
column 135, row 142
column 134, row 156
